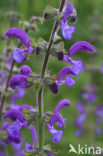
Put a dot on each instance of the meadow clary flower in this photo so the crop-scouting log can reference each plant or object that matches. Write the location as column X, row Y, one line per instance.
column 99, row 111
column 65, row 72
column 18, row 80
column 68, row 30
column 15, row 114
column 20, row 93
column 89, row 93
column 101, row 68
column 20, row 54
column 29, row 147
column 57, row 118
column 80, row 119
column 63, row 103
column 99, row 120
column 25, row 70
column 2, row 79
column 78, row 46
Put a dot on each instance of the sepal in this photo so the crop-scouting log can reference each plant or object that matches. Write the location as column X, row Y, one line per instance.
column 30, row 115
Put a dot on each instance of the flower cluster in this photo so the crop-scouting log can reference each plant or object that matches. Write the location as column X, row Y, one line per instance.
column 89, row 96
column 23, row 116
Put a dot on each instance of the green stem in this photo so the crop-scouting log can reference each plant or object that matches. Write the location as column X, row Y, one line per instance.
column 43, row 71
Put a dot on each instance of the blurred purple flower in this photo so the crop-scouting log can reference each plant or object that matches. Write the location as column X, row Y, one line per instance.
column 101, row 68
column 89, row 93
column 79, row 132
column 25, row 70
column 80, row 107
column 50, row 154
column 15, row 114
column 20, row 93
column 80, row 120
column 18, row 80
column 99, row 111
column 2, row 79
column 29, row 147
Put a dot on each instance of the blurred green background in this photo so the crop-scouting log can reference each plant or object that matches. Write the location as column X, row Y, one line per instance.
column 84, row 31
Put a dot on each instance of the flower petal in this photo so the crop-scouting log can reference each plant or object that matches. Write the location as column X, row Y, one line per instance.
column 34, row 135
column 13, row 113
column 25, row 70
column 20, row 93
column 18, row 81
column 20, row 34
column 67, row 30
column 80, row 46
column 69, row 81
column 62, row 104
column 29, row 147
column 65, row 71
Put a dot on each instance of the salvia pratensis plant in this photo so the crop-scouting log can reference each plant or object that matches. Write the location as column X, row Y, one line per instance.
column 23, row 116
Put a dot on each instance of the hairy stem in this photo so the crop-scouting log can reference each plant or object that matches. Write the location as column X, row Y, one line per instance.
column 43, row 71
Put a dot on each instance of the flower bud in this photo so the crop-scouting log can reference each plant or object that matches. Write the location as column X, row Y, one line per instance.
column 54, row 88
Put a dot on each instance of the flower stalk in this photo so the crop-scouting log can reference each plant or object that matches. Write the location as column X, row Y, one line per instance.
column 43, row 70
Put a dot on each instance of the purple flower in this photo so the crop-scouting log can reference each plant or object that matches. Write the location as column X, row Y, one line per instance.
column 2, row 76
column 2, row 79
column 50, row 154
column 8, row 62
column 101, row 68
column 29, row 147
column 54, row 88
column 18, row 81
column 20, row 93
column 20, row 34
column 5, row 125
column 57, row 134
column 80, row 107
column 57, row 118
column 80, row 120
column 15, row 114
column 68, row 30
column 99, row 111
column 62, row 104
column 2, row 153
column 25, row 70
column 33, row 132
column 89, row 93
column 79, row 132
column 68, row 80
column 99, row 131
column 80, row 46
column 19, row 54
